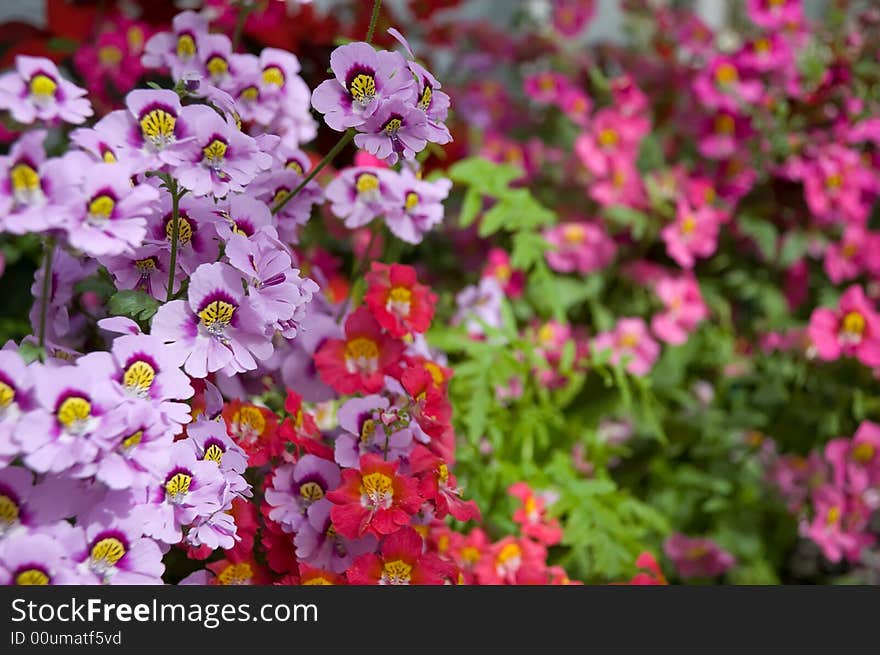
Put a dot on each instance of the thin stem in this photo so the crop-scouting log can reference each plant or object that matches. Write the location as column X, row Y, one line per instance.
column 374, row 18
column 244, row 11
column 344, row 141
column 359, row 270
column 175, row 235
column 46, row 291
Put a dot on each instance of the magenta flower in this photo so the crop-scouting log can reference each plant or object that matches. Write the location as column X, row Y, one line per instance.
column 720, row 85
column 853, row 330
column 210, row 442
column 420, row 208
column 152, row 132
column 613, row 137
column 28, row 504
column 36, row 91
column 272, row 187
column 839, row 526
column 360, row 194
column 630, row 344
column 724, row 134
column 296, row 486
column 697, row 557
column 69, row 427
column 196, row 240
column 113, row 551
column 395, row 130
column 275, row 289
column 685, row 309
column 216, row 327
column 364, row 80
column 111, row 217
column 189, row 489
column 16, row 400
column 219, row 158
column 578, row 246
column 178, row 49
column 846, row 259
column 244, row 216
column 855, row 462
column 693, row 234
column 775, row 14
column 837, row 185
column 145, row 268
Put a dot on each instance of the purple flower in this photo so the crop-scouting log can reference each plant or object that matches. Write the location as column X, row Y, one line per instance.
column 697, row 557
column 320, row 546
column 16, row 399
column 33, row 189
column 111, row 217
column 41, row 557
column 216, row 327
column 421, row 208
column 360, row 194
column 370, row 428
column 478, row 305
column 145, row 268
column 216, row 58
column 244, row 216
column 210, row 442
column 36, row 91
column 189, row 489
column 275, row 288
column 196, row 243
column 274, row 186
column 67, row 270
column 153, row 131
column 69, row 427
column 26, row 503
column 365, row 79
column 296, row 486
column 396, row 129
column 298, row 370
column 139, row 450
column 177, row 49
column 220, row 158
column 95, row 144
column 115, row 552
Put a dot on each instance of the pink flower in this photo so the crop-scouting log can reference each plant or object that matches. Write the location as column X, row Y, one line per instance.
column 684, row 309
column 723, row 134
column 852, row 330
column 629, row 340
column 839, row 524
column 837, row 185
column 36, row 91
column 856, row 463
column 613, row 137
column 775, row 14
column 846, row 259
column 693, row 234
column 578, row 246
column 696, row 557
column 720, row 85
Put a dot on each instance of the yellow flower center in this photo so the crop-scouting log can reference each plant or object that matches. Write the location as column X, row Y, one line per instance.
column 109, row 55
column 470, row 554
column 443, row 473
column 43, row 86
column 362, row 88
column 436, row 373
column 853, row 324
column 629, row 340
column 762, row 45
column 689, row 224
column 367, row 183
column 217, row 315
column 24, row 178
column 108, row 157
column 217, row 67
column 412, row 200
column 425, row 100
column 108, row 552
column 399, row 301
column 368, row 429
column 378, row 489
column 177, row 486
column 7, row 395
column 849, row 250
column 280, row 195
column 726, row 74
column 135, row 36
column 186, row 46
column 74, row 412
column 834, row 181
column 139, row 377
column 145, row 266
column 311, row 491
column 574, row 233
column 273, row 76
column 546, row 333
column 510, row 552
column 9, row 513
column 608, row 137
column 236, row 574
column 294, row 166
column 250, row 420
column 724, row 124
column 100, row 208
column 184, row 230
column 396, row 572
column 393, row 125
column 833, row 515
column 318, row 580
column 215, row 152
column 863, row 453
column 250, row 93
column 213, row 453
column 361, row 354
column 157, row 127
column 133, row 440
column 32, row 577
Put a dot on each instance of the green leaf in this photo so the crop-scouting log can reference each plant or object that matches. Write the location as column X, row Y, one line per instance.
column 528, row 248
column 134, row 304
column 794, row 247
column 486, row 176
column 30, row 352
column 650, row 154
column 627, row 218
column 470, row 207
column 763, row 232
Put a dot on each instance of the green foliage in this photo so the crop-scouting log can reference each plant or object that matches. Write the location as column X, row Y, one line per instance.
column 134, row 304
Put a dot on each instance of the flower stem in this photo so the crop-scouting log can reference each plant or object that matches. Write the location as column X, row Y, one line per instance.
column 344, row 141
column 374, row 18
column 359, row 270
column 46, row 291
column 175, row 234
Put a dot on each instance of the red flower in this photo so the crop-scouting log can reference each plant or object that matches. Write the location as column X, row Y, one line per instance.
column 397, row 300
column 312, row 576
column 375, row 499
column 400, row 562
column 255, row 429
column 532, row 516
column 361, row 360
column 439, row 486
column 430, row 406
column 654, row 576
column 301, row 428
column 239, row 570
column 513, row 561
